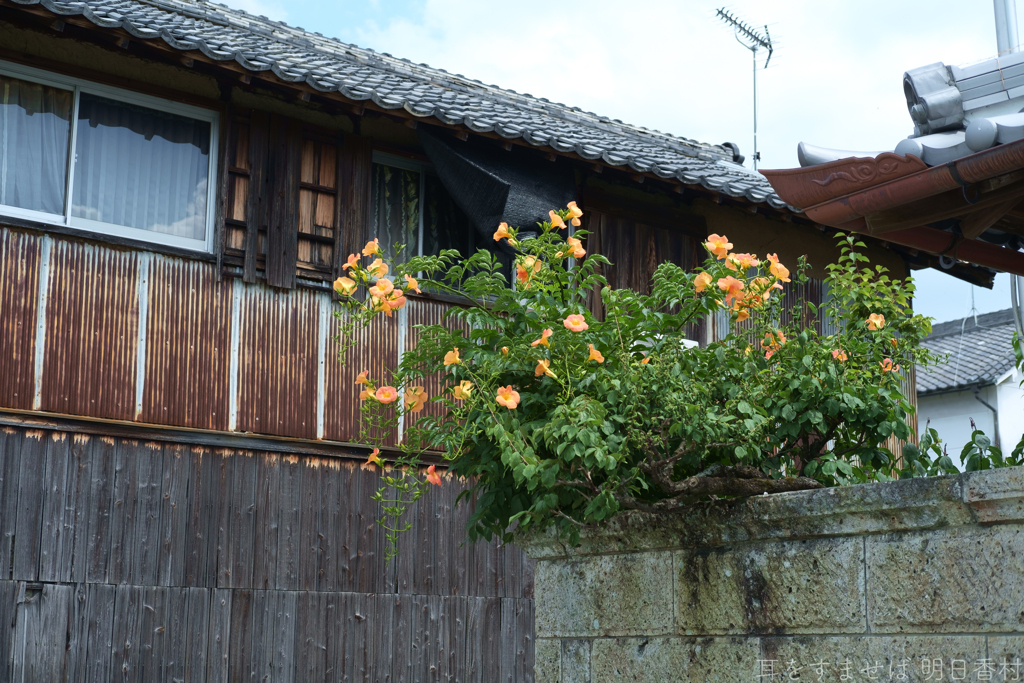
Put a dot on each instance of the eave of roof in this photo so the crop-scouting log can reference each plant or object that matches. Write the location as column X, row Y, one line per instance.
column 262, row 47
column 846, row 194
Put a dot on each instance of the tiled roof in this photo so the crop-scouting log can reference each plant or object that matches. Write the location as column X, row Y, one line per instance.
column 294, row 55
column 980, row 355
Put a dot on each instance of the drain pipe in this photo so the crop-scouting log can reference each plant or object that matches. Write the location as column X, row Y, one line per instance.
column 995, row 414
column 1006, row 26
column 1007, row 43
column 1015, row 306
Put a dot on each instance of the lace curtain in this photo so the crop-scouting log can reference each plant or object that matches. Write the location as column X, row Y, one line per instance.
column 141, row 168
column 35, row 126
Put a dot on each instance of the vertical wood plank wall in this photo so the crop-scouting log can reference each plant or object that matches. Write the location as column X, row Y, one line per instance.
column 153, row 561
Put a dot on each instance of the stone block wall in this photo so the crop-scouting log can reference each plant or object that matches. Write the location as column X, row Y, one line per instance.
column 916, row 580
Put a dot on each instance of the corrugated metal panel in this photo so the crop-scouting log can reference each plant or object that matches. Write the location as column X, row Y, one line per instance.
column 187, row 345
column 794, row 296
column 91, row 332
column 277, row 369
column 424, row 312
column 375, row 350
column 19, row 293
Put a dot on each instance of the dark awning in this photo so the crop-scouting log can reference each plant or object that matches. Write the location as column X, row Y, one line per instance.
column 492, row 185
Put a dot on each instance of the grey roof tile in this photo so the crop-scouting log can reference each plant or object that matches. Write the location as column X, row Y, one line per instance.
column 979, row 352
column 328, row 65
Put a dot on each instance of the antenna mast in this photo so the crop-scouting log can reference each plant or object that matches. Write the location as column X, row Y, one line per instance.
column 753, row 41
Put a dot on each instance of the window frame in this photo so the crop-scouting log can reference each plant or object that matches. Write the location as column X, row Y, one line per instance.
column 395, row 161
column 77, row 86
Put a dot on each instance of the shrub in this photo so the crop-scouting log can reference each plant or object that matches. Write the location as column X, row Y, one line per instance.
column 563, row 418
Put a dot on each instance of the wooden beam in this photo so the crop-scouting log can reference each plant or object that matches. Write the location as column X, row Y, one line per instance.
column 597, row 168
column 550, row 156
column 977, row 222
column 950, row 204
column 122, row 43
column 637, row 178
column 57, row 26
column 462, row 135
column 410, row 123
column 507, row 146
column 187, row 62
column 256, row 202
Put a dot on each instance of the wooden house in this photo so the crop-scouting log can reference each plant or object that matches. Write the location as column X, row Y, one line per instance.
column 183, row 494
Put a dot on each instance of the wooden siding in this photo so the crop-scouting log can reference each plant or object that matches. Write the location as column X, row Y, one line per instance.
column 153, row 561
column 635, row 250
column 268, row 157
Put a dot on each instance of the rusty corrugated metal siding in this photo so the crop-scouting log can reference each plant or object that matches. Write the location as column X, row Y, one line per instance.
column 376, row 350
column 92, row 330
column 19, row 295
column 188, row 346
column 425, row 312
column 277, row 362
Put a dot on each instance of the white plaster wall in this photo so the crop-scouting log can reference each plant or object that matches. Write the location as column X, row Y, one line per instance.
column 951, row 414
column 1011, row 411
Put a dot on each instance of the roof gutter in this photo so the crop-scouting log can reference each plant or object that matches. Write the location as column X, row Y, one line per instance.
column 995, row 414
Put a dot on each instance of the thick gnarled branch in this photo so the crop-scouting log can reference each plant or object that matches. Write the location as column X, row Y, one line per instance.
column 718, row 480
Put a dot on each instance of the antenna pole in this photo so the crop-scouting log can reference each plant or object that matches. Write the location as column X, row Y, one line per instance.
column 755, row 41
column 757, row 157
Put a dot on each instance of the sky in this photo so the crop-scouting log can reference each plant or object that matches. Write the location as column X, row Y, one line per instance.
column 835, row 78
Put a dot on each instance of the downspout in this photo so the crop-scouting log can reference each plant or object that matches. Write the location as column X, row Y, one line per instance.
column 995, row 414
column 1006, row 40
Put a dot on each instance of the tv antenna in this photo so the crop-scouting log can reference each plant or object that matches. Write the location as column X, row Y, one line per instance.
column 753, row 41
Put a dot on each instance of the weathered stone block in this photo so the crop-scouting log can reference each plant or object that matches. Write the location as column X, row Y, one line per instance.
column 671, row 660
column 1007, row 655
column 995, row 495
column 547, row 666
column 813, row 586
column 575, row 661
column 617, row 595
column 952, row 580
column 871, row 658
column 911, row 504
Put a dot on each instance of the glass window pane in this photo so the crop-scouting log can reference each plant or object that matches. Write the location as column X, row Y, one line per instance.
column 445, row 226
column 35, row 126
column 396, row 209
column 141, row 168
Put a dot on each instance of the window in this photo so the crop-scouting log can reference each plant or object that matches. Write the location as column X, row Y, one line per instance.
column 105, row 160
column 410, row 206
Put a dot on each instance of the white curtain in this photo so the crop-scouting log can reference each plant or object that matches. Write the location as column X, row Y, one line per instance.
column 141, row 168
column 396, row 209
column 35, row 125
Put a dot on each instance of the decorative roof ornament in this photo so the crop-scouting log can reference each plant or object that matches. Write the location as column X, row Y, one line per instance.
column 956, row 111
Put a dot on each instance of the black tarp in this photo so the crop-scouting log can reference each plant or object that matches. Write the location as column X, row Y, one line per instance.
column 492, row 185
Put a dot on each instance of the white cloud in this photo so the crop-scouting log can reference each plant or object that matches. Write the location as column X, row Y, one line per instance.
column 272, row 10
column 835, row 79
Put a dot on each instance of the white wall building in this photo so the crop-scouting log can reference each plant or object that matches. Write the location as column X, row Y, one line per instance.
column 978, row 381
